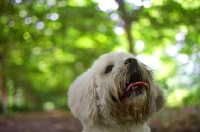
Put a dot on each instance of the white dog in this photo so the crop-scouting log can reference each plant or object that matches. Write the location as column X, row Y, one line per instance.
column 117, row 94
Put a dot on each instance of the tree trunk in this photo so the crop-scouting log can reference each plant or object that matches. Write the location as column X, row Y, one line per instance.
column 127, row 25
column 3, row 85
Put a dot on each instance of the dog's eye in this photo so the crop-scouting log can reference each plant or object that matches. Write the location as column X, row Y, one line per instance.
column 109, row 68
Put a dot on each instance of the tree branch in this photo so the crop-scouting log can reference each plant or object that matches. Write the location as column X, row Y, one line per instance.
column 127, row 25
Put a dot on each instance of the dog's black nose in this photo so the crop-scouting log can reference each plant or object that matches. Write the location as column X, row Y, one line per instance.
column 130, row 60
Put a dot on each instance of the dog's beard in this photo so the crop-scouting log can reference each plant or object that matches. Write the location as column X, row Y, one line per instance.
column 131, row 102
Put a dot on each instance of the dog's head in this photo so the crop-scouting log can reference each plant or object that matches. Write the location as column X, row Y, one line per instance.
column 117, row 89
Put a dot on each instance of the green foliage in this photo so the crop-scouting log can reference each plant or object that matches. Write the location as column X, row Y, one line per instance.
column 45, row 45
column 43, row 56
column 193, row 98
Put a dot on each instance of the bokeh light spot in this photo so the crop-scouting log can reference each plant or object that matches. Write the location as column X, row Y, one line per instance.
column 107, row 5
column 26, row 35
column 139, row 45
column 114, row 16
column 48, row 106
column 42, row 65
column 28, row 20
column 11, row 23
column 146, row 3
column 62, row 3
column 183, row 58
column 36, row 50
column 40, row 25
column 18, row 1
column 23, row 13
column 54, row 16
column 172, row 50
column 34, row 19
column 180, row 36
column 48, row 32
column 51, row 2
column 119, row 30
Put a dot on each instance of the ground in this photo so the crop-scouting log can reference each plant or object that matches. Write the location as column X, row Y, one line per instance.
column 168, row 120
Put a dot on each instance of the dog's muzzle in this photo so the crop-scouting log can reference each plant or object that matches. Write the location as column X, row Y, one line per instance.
column 135, row 84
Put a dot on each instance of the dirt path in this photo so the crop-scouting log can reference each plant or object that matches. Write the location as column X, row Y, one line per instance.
column 55, row 121
column 169, row 120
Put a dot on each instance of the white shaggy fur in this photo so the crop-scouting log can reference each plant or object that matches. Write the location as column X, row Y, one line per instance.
column 94, row 97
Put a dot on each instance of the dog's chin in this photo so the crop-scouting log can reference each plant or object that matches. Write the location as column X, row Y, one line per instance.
column 137, row 100
column 133, row 102
column 133, row 108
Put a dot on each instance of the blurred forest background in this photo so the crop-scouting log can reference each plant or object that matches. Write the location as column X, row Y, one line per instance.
column 46, row 44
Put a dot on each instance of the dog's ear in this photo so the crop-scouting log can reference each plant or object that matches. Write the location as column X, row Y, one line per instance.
column 157, row 98
column 160, row 98
column 82, row 98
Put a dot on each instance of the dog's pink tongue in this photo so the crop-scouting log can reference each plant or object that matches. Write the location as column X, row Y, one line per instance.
column 142, row 84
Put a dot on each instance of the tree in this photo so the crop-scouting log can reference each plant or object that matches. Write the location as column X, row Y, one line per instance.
column 164, row 30
column 46, row 49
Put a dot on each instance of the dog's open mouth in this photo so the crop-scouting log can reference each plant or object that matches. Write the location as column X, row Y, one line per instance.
column 135, row 86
